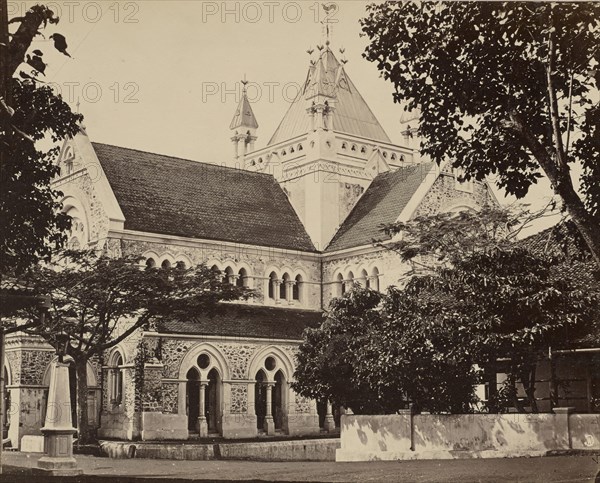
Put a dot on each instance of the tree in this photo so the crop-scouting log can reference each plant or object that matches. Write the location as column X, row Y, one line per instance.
column 501, row 87
column 31, row 222
column 376, row 352
column 475, row 296
column 517, row 300
column 100, row 301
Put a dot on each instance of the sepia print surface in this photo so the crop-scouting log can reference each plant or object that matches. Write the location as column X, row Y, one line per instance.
column 262, row 238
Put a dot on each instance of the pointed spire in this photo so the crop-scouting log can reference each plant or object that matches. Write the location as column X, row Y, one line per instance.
column 244, row 116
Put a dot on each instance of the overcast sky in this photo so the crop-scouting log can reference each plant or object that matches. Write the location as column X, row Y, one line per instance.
column 164, row 76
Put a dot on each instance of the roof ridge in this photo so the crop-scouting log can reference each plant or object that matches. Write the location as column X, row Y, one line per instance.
column 177, row 158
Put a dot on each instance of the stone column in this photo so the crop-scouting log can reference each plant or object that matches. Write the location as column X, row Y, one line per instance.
column 269, row 423
column 289, row 291
column 276, row 290
column 202, row 424
column 329, row 423
column 58, row 428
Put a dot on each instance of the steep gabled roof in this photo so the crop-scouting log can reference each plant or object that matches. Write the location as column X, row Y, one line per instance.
column 173, row 196
column 352, row 115
column 382, row 203
column 237, row 320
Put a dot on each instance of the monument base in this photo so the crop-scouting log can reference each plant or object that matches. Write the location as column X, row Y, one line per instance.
column 62, row 466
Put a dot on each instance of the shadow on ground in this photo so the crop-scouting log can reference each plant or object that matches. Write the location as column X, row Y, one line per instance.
column 15, row 474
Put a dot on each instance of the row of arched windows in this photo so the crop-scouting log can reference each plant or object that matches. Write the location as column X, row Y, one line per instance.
column 151, row 263
column 240, row 279
column 286, row 287
column 284, row 152
column 364, row 278
column 363, row 150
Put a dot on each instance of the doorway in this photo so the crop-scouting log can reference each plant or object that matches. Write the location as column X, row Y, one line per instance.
column 212, row 401
column 260, row 399
column 192, row 391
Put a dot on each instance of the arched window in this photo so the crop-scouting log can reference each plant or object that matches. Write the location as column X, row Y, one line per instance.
column 364, row 278
column 165, row 264
column 272, row 283
column 297, row 288
column 117, row 379
column 242, row 279
column 292, row 150
column 150, row 263
column 228, row 278
column 300, row 148
column 284, row 286
column 375, row 279
column 180, row 265
column 341, row 289
column 393, row 157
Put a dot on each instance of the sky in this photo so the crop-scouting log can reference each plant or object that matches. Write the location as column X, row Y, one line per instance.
column 164, row 76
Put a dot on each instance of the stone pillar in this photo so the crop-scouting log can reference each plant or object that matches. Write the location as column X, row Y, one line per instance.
column 289, row 291
column 269, row 423
column 276, row 291
column 202, row 424
column 329, row 423
column 58, row 428
column 563, row 426
column 251, row 141
column 234, row 140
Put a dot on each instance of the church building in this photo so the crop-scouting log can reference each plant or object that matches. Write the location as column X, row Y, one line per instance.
column 294, row 220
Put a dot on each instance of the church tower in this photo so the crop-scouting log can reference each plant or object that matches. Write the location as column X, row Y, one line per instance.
column 244, row 127
column 327, row 148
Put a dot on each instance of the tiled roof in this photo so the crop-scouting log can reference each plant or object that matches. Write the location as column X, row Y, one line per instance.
column 237, row 320
column 382, row 203
column 172, row 196
column 352, row 115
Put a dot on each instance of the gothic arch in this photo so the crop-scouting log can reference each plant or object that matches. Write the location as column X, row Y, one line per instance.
column 217, row 361
column 461, row 205
column 114, row 354
column 150, row 255
column 284, row 364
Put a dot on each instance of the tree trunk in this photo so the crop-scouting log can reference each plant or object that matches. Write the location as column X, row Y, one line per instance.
column 561, row 182
column 83, row 426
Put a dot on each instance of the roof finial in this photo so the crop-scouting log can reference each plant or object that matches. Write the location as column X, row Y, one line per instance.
column 244, row 83
column 330, row 10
